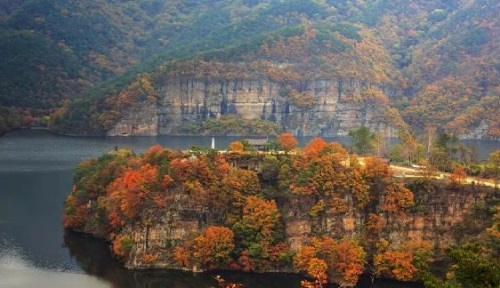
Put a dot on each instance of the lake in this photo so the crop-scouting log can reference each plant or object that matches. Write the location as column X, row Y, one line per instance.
column 36, row 170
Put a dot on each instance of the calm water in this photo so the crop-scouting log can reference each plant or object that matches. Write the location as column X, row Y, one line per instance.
column 35, row 176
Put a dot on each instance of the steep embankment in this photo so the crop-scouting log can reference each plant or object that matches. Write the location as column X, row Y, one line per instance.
column 266, row 212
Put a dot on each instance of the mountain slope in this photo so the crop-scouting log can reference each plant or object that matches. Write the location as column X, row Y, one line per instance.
column 436, row 62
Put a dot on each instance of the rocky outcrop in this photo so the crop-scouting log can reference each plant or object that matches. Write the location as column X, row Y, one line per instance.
column 479, row 132
column 140, row 121
column 441, row 215
column 158, row 238
column 185, row 103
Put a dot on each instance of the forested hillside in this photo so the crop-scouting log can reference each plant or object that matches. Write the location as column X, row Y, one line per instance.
column 81, row 66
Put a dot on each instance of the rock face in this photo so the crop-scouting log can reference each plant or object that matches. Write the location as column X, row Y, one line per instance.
column 442, row 216
column 157, row 238
column 479, row 132
column 185, row 103
column 141, row 121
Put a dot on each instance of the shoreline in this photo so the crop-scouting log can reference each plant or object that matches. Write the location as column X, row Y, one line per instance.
column 3, row 133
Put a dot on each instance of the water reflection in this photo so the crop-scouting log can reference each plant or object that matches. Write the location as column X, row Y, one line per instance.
column 95, row 258
column 17, row 272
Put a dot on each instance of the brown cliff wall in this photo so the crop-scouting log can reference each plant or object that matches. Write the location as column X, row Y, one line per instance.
column 439, row 216
column 186, row 103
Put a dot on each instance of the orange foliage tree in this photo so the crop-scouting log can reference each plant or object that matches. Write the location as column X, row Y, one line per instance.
column 128, row 194
column 330, row 179
column 345, row 259
column 350, row 259
column 317, row 269
column 315, row 146
column 256, row 234
column 183, row 256
column 236, row 146
column 396, row 197
column 458, row 175
column 213, row 248
column 75, row 214
column 403, row 263
column 397, row 264
column 287, row 141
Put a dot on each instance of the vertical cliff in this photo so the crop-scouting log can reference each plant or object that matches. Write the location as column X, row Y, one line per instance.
column 337, row 106
column 442, row 215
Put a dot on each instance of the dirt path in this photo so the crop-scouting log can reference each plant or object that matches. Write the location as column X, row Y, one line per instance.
column 409, row 172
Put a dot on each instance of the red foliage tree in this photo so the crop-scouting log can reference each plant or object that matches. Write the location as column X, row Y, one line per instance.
column 128, row 194
column 315, row 146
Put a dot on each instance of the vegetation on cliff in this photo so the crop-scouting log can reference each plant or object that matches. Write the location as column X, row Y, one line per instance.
column 436, row 62
column 317, row 210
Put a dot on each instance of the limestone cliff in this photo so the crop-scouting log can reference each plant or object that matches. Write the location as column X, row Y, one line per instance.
column 441, row 215
column 185, row 103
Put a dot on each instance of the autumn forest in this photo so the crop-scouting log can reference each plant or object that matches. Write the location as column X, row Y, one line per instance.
column 423, row 208
column 79, row 67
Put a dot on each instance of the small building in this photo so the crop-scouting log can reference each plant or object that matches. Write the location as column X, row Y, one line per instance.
column 259, row 143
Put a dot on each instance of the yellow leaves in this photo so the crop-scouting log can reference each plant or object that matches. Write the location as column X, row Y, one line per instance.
column 375, row 96
column 377, row 168
column 167, row 180
column 261, row 215
column 305, row 100
column 318, row 208
column 401, row 263
column 302, row 258
column 338, row 206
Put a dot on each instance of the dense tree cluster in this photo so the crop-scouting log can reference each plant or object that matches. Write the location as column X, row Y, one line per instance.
column 242, row 213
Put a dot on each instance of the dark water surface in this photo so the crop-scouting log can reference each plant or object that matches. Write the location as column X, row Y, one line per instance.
column 36, row 170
